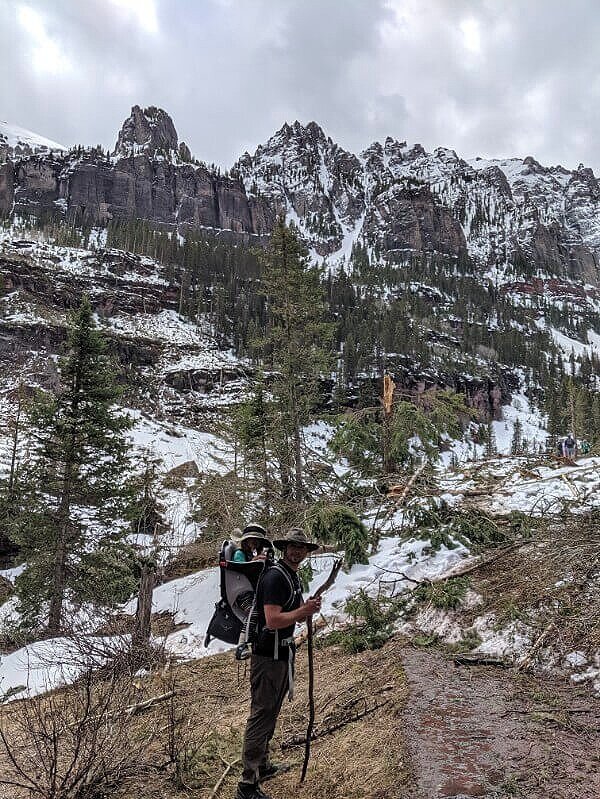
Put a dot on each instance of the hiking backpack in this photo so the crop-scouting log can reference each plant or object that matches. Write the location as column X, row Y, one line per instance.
column 229, row 623
column 237, row 580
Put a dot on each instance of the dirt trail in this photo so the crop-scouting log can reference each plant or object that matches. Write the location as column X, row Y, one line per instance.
column 489, row 732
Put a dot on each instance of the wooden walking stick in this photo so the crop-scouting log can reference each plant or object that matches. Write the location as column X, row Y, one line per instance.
column 311, row 670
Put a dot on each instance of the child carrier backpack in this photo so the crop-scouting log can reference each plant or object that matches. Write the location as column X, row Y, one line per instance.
column 238, row 582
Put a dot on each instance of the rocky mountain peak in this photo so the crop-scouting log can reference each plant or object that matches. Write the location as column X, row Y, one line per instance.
column 394, row 149
column 584, row 174
column 149, row 130
column 315, row 131
column 391, row 153
column 446, row 154
column 533, row 167
column 375, row 149
column 299, row 134
column 584, row 188
column 417, row 150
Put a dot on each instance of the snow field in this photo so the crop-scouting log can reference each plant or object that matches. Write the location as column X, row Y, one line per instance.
column 15, row 136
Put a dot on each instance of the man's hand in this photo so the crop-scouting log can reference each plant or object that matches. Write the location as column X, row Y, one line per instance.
column 311, row 606
column 276, row 618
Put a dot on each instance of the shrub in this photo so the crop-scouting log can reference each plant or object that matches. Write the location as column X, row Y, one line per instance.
column 339, row 525
column 371, row 625
column 305, row 575
column 445, row 596
column 474, row 528
column 469, row 641
column 76, row 743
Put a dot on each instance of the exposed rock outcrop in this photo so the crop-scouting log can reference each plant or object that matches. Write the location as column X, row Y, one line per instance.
column 150, row 131
column 393, row 196
column 403, row 219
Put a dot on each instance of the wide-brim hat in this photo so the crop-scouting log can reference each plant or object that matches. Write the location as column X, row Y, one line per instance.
column 296, row 536
column 255, row 531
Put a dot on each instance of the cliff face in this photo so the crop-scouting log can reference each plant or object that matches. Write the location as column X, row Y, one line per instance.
column 393, row 196
column 149, row 175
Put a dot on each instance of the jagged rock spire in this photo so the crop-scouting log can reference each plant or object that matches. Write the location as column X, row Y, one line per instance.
column 146, row 131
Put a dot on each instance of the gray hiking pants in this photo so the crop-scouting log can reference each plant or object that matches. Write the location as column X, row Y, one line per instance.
column 268, row 686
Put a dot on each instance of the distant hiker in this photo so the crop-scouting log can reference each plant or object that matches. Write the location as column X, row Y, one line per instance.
column 585, row 447
column 252, row 544
column 279, row 605
column 569, row 446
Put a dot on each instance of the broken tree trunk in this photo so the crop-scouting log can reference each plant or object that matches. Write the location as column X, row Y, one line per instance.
column 143, row 613
column 526, row 661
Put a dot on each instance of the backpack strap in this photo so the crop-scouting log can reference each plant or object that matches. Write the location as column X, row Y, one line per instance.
column 291, row 586
column 284, row 607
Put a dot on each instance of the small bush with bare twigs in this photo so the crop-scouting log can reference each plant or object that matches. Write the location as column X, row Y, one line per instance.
column 76, row 743
column 194, row 752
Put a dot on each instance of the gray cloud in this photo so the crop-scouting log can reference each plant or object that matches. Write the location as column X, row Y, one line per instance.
column 486, row 78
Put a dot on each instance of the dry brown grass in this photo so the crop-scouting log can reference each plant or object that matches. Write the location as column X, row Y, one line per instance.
column 363, row 760
column 554, row 578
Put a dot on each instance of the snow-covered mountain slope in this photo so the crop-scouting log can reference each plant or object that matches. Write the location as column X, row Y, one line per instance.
column 176, row 372
column 398, row 197
column 393, row 198
column 314, row 182
column 175, row 365
column 16, row 142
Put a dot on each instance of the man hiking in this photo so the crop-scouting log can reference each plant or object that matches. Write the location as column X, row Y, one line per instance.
column 279, row 605
column 570, row 446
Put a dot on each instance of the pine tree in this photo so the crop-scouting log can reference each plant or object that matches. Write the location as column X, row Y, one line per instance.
column 339, row 525
column 553, row 409
column 491, row 446
column 582, row 413
column 585, row 370
column 10, row 490
column 74, row 488
column 516, row 444
column 254, row 423
column 146, row 520
column 297, row 340
column 595, row 418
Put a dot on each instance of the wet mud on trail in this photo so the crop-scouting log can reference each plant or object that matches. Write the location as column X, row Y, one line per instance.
column 489, row 732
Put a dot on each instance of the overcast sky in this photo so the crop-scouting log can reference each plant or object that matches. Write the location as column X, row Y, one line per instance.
column 485, row 77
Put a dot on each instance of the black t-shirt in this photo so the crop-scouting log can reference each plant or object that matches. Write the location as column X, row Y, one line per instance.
column 280, row 586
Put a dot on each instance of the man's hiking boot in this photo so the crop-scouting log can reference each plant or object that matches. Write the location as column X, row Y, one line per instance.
column 273, row 770
column 247, row 791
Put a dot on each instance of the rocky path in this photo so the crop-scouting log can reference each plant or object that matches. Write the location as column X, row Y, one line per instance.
column 490, row 732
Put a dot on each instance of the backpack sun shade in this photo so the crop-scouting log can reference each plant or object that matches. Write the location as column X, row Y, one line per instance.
column 237, row 579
